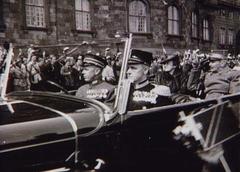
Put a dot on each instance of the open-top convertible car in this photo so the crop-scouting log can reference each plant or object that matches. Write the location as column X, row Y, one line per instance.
column 43, row 131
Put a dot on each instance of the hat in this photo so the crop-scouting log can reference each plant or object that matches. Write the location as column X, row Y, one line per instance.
column 92, row 59
column 119, row 53
column 108, row 57
column 89, row 52
column 216, row 57
column 107, row 49
column 80, row 57
column 18, row 60
column 65, row 48
column 171, row 57
column 140, row 57
column 69, row 58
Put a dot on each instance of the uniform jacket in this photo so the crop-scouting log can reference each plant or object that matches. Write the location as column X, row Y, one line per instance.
column 98, row 90
column 218, row 83
column 147, row 95
column 19, row 75
column 226, row 81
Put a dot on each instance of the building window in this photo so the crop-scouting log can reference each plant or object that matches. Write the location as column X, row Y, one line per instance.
column 173, row 21
column 35, row 13
column 231, row 14
column 206, row 30
column 137, row 17
column 222, row 36
column 230, row 37
column 194, row 25
column 82, row 15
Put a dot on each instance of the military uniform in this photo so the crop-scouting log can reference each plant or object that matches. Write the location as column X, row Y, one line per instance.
column 20, row 77
column 218, row 82
column 226, row 81
column 146, row 95
column 98, row 90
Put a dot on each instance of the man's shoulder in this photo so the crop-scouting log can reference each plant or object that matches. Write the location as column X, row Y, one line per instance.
column 161, row 90
column 81, row 92
column 106, row 85
column 83, row 87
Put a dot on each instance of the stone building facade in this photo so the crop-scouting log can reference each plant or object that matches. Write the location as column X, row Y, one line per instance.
column 161, row 23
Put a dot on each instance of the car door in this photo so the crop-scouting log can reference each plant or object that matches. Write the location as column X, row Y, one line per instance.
column 148, row 133
column 149, row 139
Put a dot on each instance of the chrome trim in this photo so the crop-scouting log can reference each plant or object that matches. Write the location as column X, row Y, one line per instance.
column 35, row 145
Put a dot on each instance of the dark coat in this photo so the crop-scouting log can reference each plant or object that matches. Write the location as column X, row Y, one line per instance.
column 177, row 84
column 144, row 98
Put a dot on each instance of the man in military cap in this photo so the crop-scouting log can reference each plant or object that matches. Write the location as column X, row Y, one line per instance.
column 170, row 156
column 92, row 74
column 144, row 95
column 220, row 79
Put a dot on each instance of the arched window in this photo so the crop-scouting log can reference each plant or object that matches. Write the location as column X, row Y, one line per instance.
column 194, row 25
column 206, row 30
column 82, row 15
column 173, row 20
column 137, row 17
column 35, row 13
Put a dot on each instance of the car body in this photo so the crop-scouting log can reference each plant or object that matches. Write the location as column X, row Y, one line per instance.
column 42, row 130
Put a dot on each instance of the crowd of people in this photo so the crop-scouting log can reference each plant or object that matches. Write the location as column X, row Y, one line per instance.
column 188, row 75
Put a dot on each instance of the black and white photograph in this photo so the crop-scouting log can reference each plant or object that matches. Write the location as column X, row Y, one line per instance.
column 119, row 85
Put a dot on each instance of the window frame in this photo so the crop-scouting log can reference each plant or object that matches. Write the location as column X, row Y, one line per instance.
column 230, row 30
column 174, row 20
column 46, row 16
column 147, row 17
column 194, row 25
column 222, row 36
column 83, row 11
column 204, row 29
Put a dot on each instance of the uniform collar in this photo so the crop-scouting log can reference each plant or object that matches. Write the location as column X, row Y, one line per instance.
column 142, row 84
column 95, row 82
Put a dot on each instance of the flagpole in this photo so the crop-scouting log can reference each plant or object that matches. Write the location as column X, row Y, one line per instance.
column 5, row 75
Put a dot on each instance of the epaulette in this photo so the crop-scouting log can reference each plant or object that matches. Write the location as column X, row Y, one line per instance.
column 161, row 90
